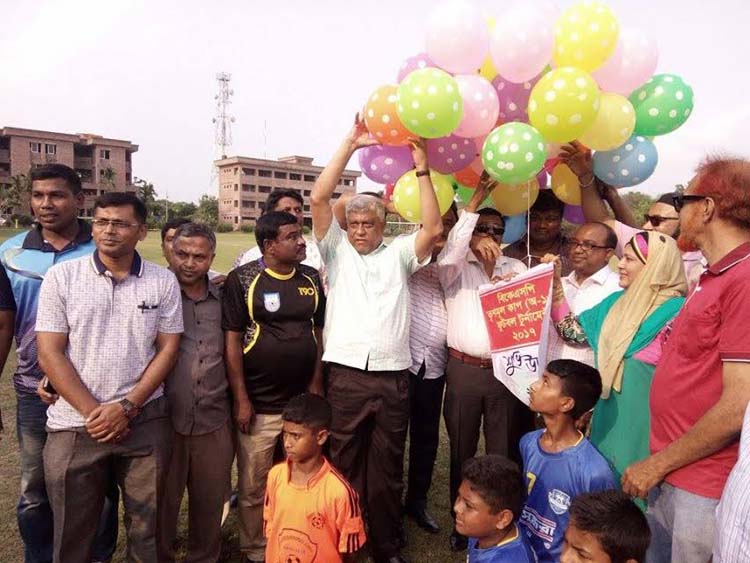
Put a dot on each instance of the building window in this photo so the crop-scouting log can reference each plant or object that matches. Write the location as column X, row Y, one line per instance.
column 104, row 154
column 236, row 203
column 35, row 147
column 236, row 170
column 248, row 188
column 264, row 173
column 252, row 205
column 309, row 178
column 280, row 175
column 307, row 208
column 236, row 187
column 50, row 149
column 245, row 204
column 264, row 189
column 307, row 193
column 248, row 171
column 297, row 177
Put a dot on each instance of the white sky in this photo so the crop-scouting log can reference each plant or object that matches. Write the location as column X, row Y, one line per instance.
column 144, row 70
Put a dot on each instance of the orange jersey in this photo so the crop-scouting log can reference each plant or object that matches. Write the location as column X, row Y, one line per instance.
column 312, row 524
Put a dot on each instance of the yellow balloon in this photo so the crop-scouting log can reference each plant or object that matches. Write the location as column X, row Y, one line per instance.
column 614, row 124
column 406, row 194
column 514, row 199
column 564, row 104
column 488, row 69
column 585, row 35
column 565, row 185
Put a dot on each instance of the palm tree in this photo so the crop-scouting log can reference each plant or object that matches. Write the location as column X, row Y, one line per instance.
column 108, row 175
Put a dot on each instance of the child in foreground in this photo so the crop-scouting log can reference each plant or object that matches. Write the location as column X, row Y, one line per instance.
column 605, row 527
column 488, row 503
column 311, row 513
column 559, row 463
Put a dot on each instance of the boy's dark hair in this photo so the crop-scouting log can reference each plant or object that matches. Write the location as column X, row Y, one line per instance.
column 616, row 521
column 173, row 224
column 267, row 226
column 51, row 171
column 120, row 199
column 497, row 480
column 548, row 201
column 579, row 381
column 453, row 209
column 276, row 195
column 310, row 410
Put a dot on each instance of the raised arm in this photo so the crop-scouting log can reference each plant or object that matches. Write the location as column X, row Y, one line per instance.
column 432, row 225
column 622, row 210
column 579, row 161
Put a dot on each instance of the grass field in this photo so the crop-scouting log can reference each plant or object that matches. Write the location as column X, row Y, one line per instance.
column 422, row 547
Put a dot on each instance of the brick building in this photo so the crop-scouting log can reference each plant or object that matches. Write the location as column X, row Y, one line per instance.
column 244, row 185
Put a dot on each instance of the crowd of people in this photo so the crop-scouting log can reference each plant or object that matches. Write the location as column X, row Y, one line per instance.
column 311, row 361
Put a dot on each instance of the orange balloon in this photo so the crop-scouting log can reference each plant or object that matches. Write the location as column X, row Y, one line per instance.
column 467, row 177
column 382, row 119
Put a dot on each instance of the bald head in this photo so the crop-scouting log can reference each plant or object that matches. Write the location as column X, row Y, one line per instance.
column 591, row 248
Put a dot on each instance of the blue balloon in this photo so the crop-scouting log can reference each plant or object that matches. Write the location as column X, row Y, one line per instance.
column 515, row 228
column 627, row 165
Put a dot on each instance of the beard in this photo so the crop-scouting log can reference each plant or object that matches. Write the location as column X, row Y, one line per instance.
column 686, row 235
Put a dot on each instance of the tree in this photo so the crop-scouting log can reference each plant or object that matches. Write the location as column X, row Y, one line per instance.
column 639, row 203
column 182, row 209
column 108, row 175
column 208, row 211
column 12, row 195
column 146, row 191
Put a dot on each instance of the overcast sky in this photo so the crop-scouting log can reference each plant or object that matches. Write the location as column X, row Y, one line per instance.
column 144, row 70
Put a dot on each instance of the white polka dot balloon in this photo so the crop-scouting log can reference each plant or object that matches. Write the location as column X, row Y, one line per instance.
column 450, row 154
column 628, row 165
column 429, row 103
column 513, row 153
column 481, row 106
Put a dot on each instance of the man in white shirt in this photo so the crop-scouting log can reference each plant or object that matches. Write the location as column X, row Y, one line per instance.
column 367, row 336
column 472, row 391
column 590, row 250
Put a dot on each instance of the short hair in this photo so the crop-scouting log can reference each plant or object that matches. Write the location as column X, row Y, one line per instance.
column 121, row 199
column 51, row 171
column 267, row 226
column 667, row 198
column 189, row 230
column 616, row 521
column 580, row 381
column 365, row 203
column 277, row 195
column 727, row 182
column 453, row 209
column 310, row 410
column 548, row 201
column 610, row 236
column 173, row 224
column 497, row 481
column 490, row 212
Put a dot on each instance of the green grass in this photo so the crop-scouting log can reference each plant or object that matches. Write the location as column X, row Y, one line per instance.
column 422, row 547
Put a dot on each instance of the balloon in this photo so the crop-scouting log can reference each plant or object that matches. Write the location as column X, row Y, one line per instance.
column 563, row 104
column 382, row 119
column 513, row 153
column 457, row 37
column 521, row 43
column 632, row 63
column 661, row 105
column 585, row 35
column 388, row 192
column 627, row 165
column 429, row 103
column 613, row 125
column 488, row 70
column 515, row 199
column 574, row 214
column 406, row 194
column 450, row 154
column 565, row 185
column 515, row 228
column 481, row 106
column 417, row 62
column 469, row 175
column 464, row 194
column 542, row 178
column 383, row 164
column 513, row 97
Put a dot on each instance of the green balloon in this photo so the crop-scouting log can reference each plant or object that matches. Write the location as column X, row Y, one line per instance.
column 514, row 153
column 464, row 194
column 429, row 104
column 661, row 105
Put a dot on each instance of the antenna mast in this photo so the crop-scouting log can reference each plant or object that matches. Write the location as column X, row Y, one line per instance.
column 223, row 121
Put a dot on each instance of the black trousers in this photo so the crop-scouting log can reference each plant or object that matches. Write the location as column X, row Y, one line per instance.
column 426, row 398
column 368, row 436
column 474, row 399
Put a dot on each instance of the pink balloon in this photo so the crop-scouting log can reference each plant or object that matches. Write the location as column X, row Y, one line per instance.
column 514, row 97
column 457, row 37
column 481, row 106
column 417, row 62
column 521, row 43
column 385, row 164
column 450, row 154
column 541, row 178
column 631, row 65
column 574, row 214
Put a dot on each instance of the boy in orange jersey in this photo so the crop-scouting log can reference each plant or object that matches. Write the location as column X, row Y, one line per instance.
column 311, row 513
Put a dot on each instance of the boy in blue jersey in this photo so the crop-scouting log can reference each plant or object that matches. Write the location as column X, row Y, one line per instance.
column 488, row 503
column 559, row 463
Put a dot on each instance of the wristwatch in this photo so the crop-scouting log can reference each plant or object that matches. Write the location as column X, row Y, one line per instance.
column 131, row 410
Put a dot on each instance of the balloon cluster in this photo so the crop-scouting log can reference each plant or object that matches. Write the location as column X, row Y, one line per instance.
column 502, row 95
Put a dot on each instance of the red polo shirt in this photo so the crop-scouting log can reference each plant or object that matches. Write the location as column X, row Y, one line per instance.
column 711, row 328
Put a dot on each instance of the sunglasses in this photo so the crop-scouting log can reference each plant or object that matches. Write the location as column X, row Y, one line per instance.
column 493, row 230
column 680, row 200
column 657, row 220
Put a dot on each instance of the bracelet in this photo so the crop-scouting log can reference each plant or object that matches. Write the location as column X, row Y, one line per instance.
column 593, row 178
column 422, row 173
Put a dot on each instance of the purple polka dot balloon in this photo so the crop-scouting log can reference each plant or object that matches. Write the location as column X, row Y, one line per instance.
column 514, row 98
column 450, row 154
column 417, row 62
column 385, row 164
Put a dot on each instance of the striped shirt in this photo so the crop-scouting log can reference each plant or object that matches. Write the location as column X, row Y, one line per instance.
column 732, row 540
column 429, row 323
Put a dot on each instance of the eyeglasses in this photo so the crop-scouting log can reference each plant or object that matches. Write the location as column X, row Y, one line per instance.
column 680, row 200
column 116, row 225
column 493, row 230
column 585, row 245
column 657, row 220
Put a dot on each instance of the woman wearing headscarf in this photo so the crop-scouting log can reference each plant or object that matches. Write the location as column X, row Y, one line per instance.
column 627, row 331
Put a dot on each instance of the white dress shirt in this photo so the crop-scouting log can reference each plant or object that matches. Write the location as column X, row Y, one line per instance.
column 461, row 274
column 367, row 314
column 582, row 297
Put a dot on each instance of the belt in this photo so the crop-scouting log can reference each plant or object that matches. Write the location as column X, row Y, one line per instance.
column 483, row 363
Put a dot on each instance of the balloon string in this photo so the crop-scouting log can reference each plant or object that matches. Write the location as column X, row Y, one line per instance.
column 528, row 227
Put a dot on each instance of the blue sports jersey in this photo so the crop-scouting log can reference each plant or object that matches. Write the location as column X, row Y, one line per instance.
column 553, row 480
column 517, row 550
column 26, row 258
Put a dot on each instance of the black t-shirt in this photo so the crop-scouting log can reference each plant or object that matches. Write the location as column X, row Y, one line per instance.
column 276, row 315
column 7, row 301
